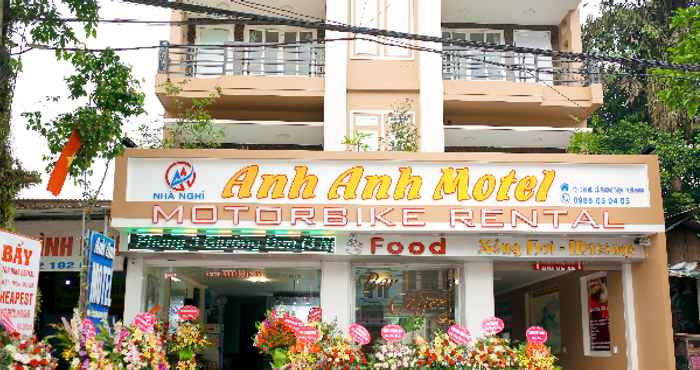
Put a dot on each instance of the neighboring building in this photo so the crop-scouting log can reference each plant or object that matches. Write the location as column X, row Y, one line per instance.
column 377, row 237
column 59, row 225
column 683, row 247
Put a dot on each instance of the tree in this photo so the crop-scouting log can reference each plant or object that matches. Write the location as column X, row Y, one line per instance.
column 102, row 84
column 643, row 108
column 193, row 127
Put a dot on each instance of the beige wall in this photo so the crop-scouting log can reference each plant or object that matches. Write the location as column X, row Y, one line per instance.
column 653, row 308
column 569, row 289
column 570, row 32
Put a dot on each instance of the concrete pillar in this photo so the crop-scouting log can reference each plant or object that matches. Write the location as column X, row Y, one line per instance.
column 337, row 293
column 431, row 130
column 477, row 290
column 335, row 102
column 630, row 317
column 652, row 306
column 134, row 290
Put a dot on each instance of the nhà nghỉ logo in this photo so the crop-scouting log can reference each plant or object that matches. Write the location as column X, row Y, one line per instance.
column 180, row 176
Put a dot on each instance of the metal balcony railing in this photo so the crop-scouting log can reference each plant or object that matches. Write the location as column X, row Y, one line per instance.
column 475, row 64
column 242, row 59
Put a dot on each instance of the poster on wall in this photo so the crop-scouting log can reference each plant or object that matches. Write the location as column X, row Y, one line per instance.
column 545, row 308
column 596, row 319
column 19, row 276
column 102, row 250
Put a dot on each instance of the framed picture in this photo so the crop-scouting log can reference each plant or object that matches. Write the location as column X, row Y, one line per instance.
column 595, row 316
column 545, row 311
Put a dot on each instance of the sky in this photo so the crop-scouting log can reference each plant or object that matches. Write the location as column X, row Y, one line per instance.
column 42, row 76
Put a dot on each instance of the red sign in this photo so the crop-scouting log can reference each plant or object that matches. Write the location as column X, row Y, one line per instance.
column 558, row 266
column 536, row 335
column 392, row 333
column 292, row 323
column 188, row 313
column 492, row 325
column 307, row 334
column 359, row 334
column 145, row 321
column 415, row 248
column 315, row 314
column 459, row 334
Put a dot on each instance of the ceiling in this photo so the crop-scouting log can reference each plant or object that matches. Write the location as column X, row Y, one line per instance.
column 530, row 12
column 313, row 8
column 281, row 280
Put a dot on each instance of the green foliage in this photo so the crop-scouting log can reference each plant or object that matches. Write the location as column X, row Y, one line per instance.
column 413, row 323
column 681, row 90
column 193, row 127
column 112, row 97
column 27, row 22
column 356, row 142
column 401, row 134
column 679, row 159
column 640, row 109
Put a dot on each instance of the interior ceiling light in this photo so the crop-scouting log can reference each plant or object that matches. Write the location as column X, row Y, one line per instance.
column 258, row 279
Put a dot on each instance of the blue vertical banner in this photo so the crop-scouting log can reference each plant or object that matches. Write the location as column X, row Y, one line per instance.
column 101, row 249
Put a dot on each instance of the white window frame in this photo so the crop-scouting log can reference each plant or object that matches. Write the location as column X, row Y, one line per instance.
column 381, row 126
column 382, row 11
column 584, row 316
column 281, row 30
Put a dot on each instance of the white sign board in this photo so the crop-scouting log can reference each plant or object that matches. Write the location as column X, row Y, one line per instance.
column 386, row 183
column 60, row 253
column 19, row 275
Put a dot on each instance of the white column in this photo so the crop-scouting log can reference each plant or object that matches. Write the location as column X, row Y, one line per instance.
column 477, row 290
column 336, row 293
column 630, row 318
column 335, row 102
column 133, row 296
column 432, row 132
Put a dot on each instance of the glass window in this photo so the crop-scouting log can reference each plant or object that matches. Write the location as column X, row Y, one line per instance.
column 392, row 295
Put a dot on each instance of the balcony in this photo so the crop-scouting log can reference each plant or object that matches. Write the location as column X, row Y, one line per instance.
column 257, row 81
column 240, row 59
column 535, row 89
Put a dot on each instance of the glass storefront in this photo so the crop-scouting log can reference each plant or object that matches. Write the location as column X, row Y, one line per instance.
column 232, row 300
column 397, row 294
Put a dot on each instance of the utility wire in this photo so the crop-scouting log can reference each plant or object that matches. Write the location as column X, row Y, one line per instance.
column 632, row 62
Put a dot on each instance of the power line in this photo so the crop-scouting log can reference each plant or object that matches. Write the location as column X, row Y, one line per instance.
column 322, row 25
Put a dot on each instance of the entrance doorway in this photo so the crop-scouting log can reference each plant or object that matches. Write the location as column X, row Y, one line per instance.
column 582, row 309
column 232, row 301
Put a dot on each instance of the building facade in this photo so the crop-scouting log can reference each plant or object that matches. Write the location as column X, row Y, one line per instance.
column 489, row 217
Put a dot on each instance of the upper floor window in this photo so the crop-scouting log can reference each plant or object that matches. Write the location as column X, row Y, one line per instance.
column 376, row 125
column 392, row 15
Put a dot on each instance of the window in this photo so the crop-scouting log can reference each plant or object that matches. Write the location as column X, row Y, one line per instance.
column 289, row 60
column 393, row 15
column 474, row 64
column 375, row 124
column 392, row 295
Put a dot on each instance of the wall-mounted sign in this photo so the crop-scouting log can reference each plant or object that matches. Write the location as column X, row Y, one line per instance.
column 385, row 195
column 416, row 247
column 60, row 253
column 557, row 266
column 541, row 249
column 263, row 243
column 386, row 182
column 19, row 276
column 102, row 250
column 234, row 274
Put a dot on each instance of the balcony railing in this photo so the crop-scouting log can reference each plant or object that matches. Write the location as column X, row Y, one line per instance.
column 474, row 64
column 239, row 59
